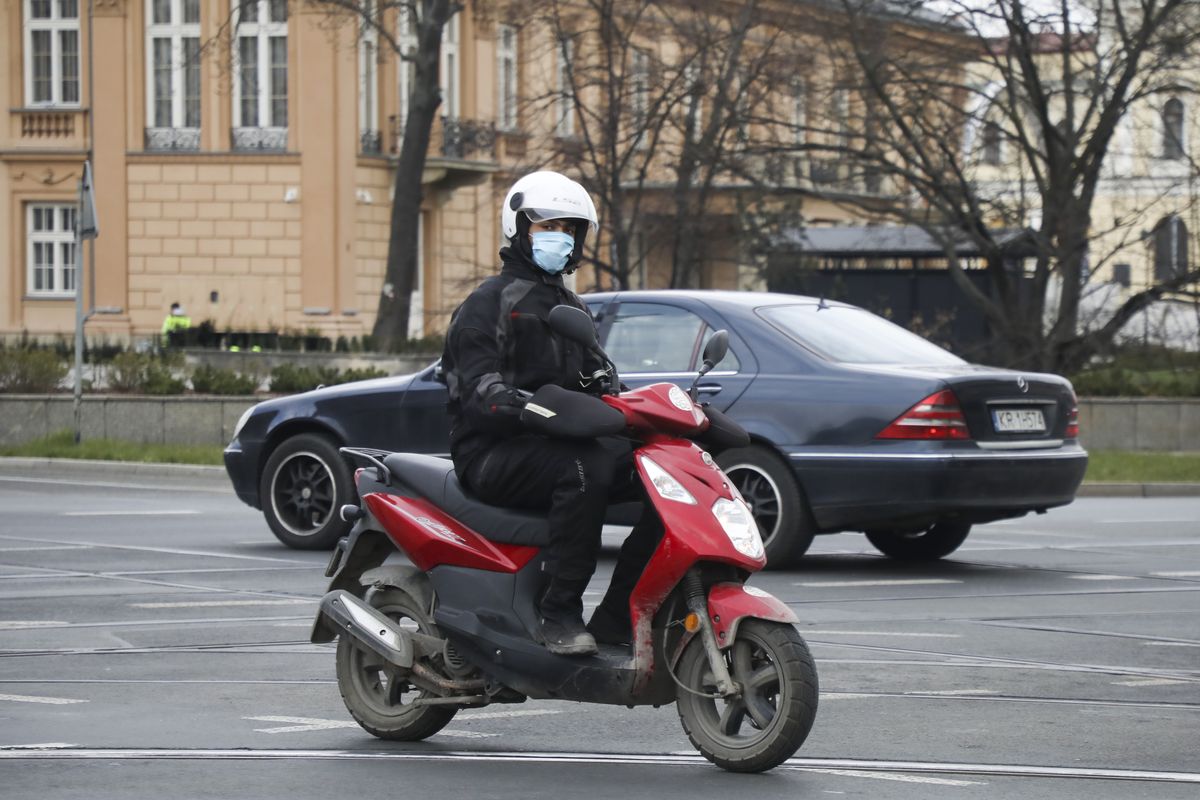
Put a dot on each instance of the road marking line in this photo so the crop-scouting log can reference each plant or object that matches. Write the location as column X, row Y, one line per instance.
column 175, row 512
column 109, row 485
column 883, row 633
column 54, row 701
column 43, row 746
column 1104, row 577
column 302, row 724
column 466, row 734
column 845, row 696
column 26, row 624
column 1150, row 682
column 42, row 549
column 222, row 603
column 890, row 776
column 1185, row 574
column 956, row 692
column 528, row 712
column 616, row 759
column 1173, row 644
column 849, row 584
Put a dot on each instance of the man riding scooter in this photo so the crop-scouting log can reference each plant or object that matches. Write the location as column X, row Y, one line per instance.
column 499, row 349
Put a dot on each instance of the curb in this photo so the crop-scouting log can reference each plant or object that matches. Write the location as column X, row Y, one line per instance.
column 1139, row 490
column 152, row 473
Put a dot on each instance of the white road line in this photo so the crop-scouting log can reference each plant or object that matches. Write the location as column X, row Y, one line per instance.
column 955, row 692
column 167, row 550
column 41, row 549
column 25, row 624
column 465, row 734
column 1185, row 574
column 302, row 724
column 883, row 633
column 42, row 746
column 1104, row 577
column 891, row 776
column 54, row 701
column 164, row 513
column 900, row 582
column 1173, row 644
column 111, row 485
column 617, row 759
column 527, row 712
column 221, row 603
column 1150, row 682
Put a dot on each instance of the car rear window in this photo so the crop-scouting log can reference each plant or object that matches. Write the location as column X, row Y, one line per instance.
column 854, row 336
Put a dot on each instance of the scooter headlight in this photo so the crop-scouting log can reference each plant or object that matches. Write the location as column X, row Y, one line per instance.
column 739, row 525
column 666, row 486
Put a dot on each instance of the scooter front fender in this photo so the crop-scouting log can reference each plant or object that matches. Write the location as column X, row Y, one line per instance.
column 730, row 603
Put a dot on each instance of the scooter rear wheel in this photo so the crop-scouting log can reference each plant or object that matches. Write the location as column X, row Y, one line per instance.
column 377, row 695
column 764, row 725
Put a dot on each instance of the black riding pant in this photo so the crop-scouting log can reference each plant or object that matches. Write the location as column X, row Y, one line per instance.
column 575, row 481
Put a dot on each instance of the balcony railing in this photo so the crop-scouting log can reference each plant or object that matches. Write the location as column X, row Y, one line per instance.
column 270, row 140
column 467, row 137
column 370, row 143
column 172, row 139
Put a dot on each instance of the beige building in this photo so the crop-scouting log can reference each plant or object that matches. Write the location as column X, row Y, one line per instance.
column 243, row 159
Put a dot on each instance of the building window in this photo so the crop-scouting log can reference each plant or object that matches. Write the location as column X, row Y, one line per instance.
column 50, row 235
column 449, row 69
column 799, row 113
column 1170, row 249
column 639, row 69
column 506, row 77
column 564, row 106
column 992, row 144
column 52, row 52
column 1173, row 129
column 368, row 82
column 260, row 68
column 173, row 74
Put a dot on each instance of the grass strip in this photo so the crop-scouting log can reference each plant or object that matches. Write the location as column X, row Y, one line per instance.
column 62, row 445
column 1142, row 467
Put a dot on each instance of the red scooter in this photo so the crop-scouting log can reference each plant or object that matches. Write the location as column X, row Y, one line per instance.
column 457, row 628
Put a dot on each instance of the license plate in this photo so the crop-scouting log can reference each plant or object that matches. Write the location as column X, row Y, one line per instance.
column 1018, row 420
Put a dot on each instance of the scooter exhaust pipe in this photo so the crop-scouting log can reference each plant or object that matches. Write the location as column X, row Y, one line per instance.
column 343, row 614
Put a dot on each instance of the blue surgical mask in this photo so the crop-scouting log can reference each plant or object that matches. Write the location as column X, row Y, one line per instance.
column 552, row 249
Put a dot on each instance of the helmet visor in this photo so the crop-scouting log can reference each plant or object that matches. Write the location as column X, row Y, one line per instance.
column 547, row 214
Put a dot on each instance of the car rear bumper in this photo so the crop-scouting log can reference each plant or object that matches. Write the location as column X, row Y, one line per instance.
column 855, row 490
column 243, row 473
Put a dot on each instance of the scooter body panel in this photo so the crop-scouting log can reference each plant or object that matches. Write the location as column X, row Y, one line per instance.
column 730, row 603
column 430, row 536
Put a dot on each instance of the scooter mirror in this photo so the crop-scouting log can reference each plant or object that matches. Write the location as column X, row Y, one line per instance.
column 716, row 348
column 575, row 324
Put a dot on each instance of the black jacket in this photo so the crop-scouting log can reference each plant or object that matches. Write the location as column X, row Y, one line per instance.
column 499, row 342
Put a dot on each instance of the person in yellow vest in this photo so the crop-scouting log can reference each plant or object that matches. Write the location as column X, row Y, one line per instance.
column 175, row 321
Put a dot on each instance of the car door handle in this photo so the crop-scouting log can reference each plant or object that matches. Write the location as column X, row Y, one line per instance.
column 709, row 388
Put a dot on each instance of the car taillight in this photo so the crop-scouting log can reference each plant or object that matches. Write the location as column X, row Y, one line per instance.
column 1073, row 419
column 936, row 417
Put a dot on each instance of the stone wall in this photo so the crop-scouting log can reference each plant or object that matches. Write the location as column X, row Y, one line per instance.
column 1107, row 424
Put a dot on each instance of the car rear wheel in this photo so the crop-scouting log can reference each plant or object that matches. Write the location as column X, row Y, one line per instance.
column 938, row 540
column 302, row 487
column 768, row 486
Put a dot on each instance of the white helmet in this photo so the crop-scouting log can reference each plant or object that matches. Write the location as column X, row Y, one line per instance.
column 545, row 196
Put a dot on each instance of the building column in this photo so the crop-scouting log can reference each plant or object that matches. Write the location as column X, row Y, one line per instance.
column 109, row 112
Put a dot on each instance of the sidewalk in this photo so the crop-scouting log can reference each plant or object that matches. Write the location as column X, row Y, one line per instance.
column 215, row 477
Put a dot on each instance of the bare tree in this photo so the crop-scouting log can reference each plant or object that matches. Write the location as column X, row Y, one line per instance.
column 423, row 22
column 1048, row 84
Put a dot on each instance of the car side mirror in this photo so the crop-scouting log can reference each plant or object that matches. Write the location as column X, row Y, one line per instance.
column 716, row 349
column 575, row 324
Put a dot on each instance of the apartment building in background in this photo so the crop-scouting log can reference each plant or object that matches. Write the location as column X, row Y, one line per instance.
column 243, row 155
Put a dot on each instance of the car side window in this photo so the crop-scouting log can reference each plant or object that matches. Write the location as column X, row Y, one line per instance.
column 651, row 337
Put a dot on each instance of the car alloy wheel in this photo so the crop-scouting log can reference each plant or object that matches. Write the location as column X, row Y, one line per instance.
column 304, row 483
column 302, row 493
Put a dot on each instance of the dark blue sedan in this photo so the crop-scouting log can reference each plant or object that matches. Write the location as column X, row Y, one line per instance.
column 855, row 425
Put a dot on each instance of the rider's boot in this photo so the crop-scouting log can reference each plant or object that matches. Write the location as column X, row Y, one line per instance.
column 561, row 614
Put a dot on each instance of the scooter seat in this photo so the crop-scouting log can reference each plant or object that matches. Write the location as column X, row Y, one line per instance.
column 434, row 479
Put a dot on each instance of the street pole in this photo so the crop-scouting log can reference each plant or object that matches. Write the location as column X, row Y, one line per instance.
column 79, row 313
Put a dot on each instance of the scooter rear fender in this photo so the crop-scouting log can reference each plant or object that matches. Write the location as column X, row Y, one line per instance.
column 730, row 603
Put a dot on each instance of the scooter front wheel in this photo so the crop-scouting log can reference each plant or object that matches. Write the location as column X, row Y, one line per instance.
column 765, row 724
column 377, row 694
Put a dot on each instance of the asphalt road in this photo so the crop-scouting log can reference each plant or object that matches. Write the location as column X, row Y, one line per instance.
column 153, row 642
